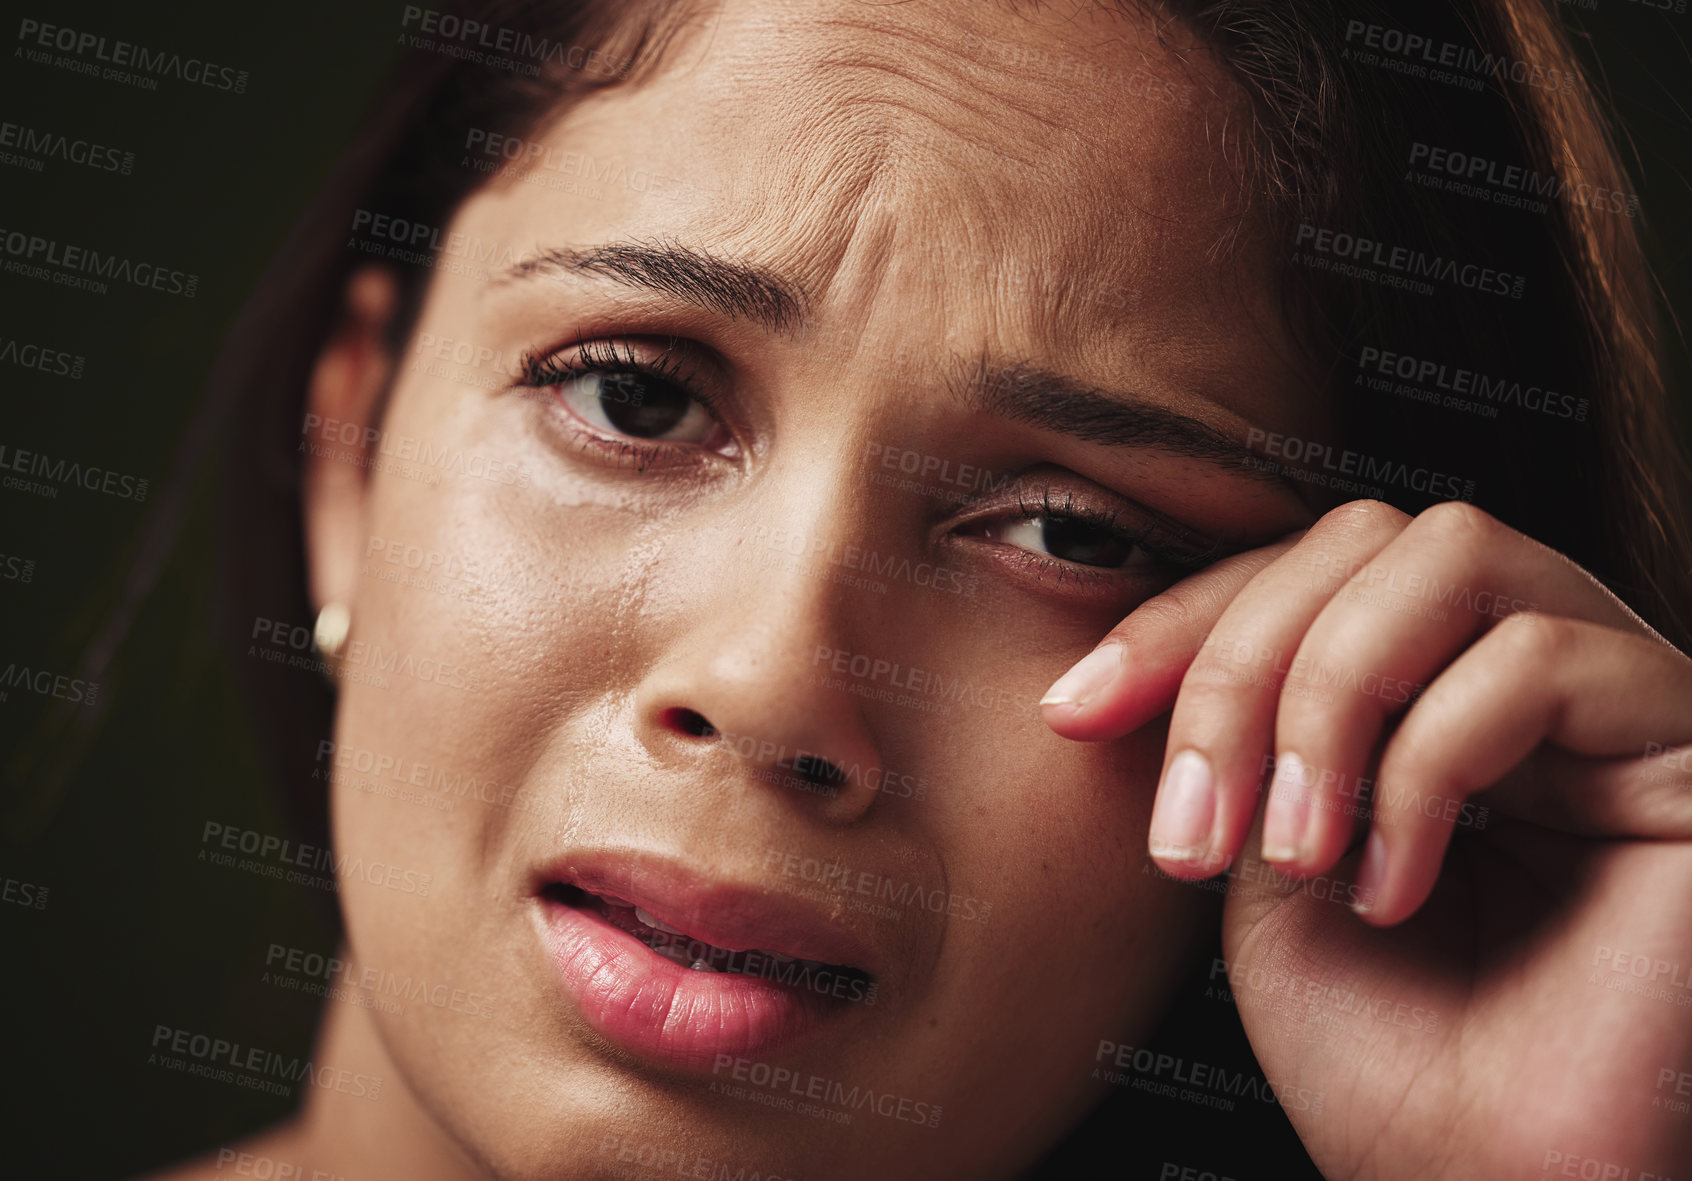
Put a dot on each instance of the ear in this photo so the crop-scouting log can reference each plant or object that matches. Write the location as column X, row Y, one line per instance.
column 341, row 433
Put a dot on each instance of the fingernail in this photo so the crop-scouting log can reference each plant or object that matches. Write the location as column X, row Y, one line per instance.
column 1092, row 675
column 1288, row 811
column 1186, row 805
column 1371, row 873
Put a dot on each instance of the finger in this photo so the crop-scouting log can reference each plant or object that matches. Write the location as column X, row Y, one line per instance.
column 1223, row 723
column 1585, row 688
column 1132, row 676
column 1445, row 579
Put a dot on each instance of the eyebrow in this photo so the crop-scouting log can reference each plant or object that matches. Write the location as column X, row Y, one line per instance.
column 736, row 289
column 1017, row 392
column 1052, row 402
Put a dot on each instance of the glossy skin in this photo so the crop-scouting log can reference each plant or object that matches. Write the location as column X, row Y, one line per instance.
column 933, row 204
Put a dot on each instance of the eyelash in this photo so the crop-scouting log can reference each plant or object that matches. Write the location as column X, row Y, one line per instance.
column 1157, row 543
column 539, row 371
column 1163, row 544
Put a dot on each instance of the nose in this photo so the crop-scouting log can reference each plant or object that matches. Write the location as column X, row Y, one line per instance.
column 741, row 681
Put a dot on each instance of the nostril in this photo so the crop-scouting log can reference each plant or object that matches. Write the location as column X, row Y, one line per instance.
column 689, row 722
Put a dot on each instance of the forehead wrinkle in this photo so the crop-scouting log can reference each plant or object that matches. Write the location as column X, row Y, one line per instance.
column 896, row 141
column 948, row 64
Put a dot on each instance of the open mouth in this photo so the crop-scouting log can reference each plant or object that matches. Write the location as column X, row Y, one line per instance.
column 694, row 970
column 839, row 981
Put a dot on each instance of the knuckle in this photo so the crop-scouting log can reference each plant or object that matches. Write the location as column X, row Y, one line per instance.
column 1360, row 519
column 1459, row 523
column 1537, row 639
column 1214, row 681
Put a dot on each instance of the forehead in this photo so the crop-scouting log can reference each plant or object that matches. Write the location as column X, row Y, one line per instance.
column 1067, row 175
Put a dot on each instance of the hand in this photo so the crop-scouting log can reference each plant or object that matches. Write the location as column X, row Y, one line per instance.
column 1397, row 679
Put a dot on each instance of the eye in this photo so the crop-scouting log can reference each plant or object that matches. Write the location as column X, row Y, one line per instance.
column 1080, row 540
column 1053, row 533
column 634, row 400
column 639, row 406
column 1069, row 539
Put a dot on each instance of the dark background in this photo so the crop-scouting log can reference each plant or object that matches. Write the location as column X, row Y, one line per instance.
column 107, row 812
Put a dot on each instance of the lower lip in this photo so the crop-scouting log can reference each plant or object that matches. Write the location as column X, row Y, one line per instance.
column 656, row 1008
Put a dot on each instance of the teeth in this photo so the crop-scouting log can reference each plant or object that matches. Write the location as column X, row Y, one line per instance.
column 654, row 923
column 702, row 966
column 618, row 903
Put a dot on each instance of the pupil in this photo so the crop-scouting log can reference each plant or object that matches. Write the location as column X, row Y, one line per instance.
column 641, row 408
column 1086, row 544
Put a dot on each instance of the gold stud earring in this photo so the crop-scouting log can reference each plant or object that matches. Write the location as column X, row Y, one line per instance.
column 329, row 636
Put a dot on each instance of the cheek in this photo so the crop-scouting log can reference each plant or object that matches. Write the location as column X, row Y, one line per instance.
column 499, row 603
column 488, row 593
column 1052, row 834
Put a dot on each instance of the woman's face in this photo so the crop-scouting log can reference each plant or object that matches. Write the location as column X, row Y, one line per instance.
column 880, row 359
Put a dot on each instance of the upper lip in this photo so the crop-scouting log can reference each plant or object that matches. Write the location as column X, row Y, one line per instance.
column 726, row 914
